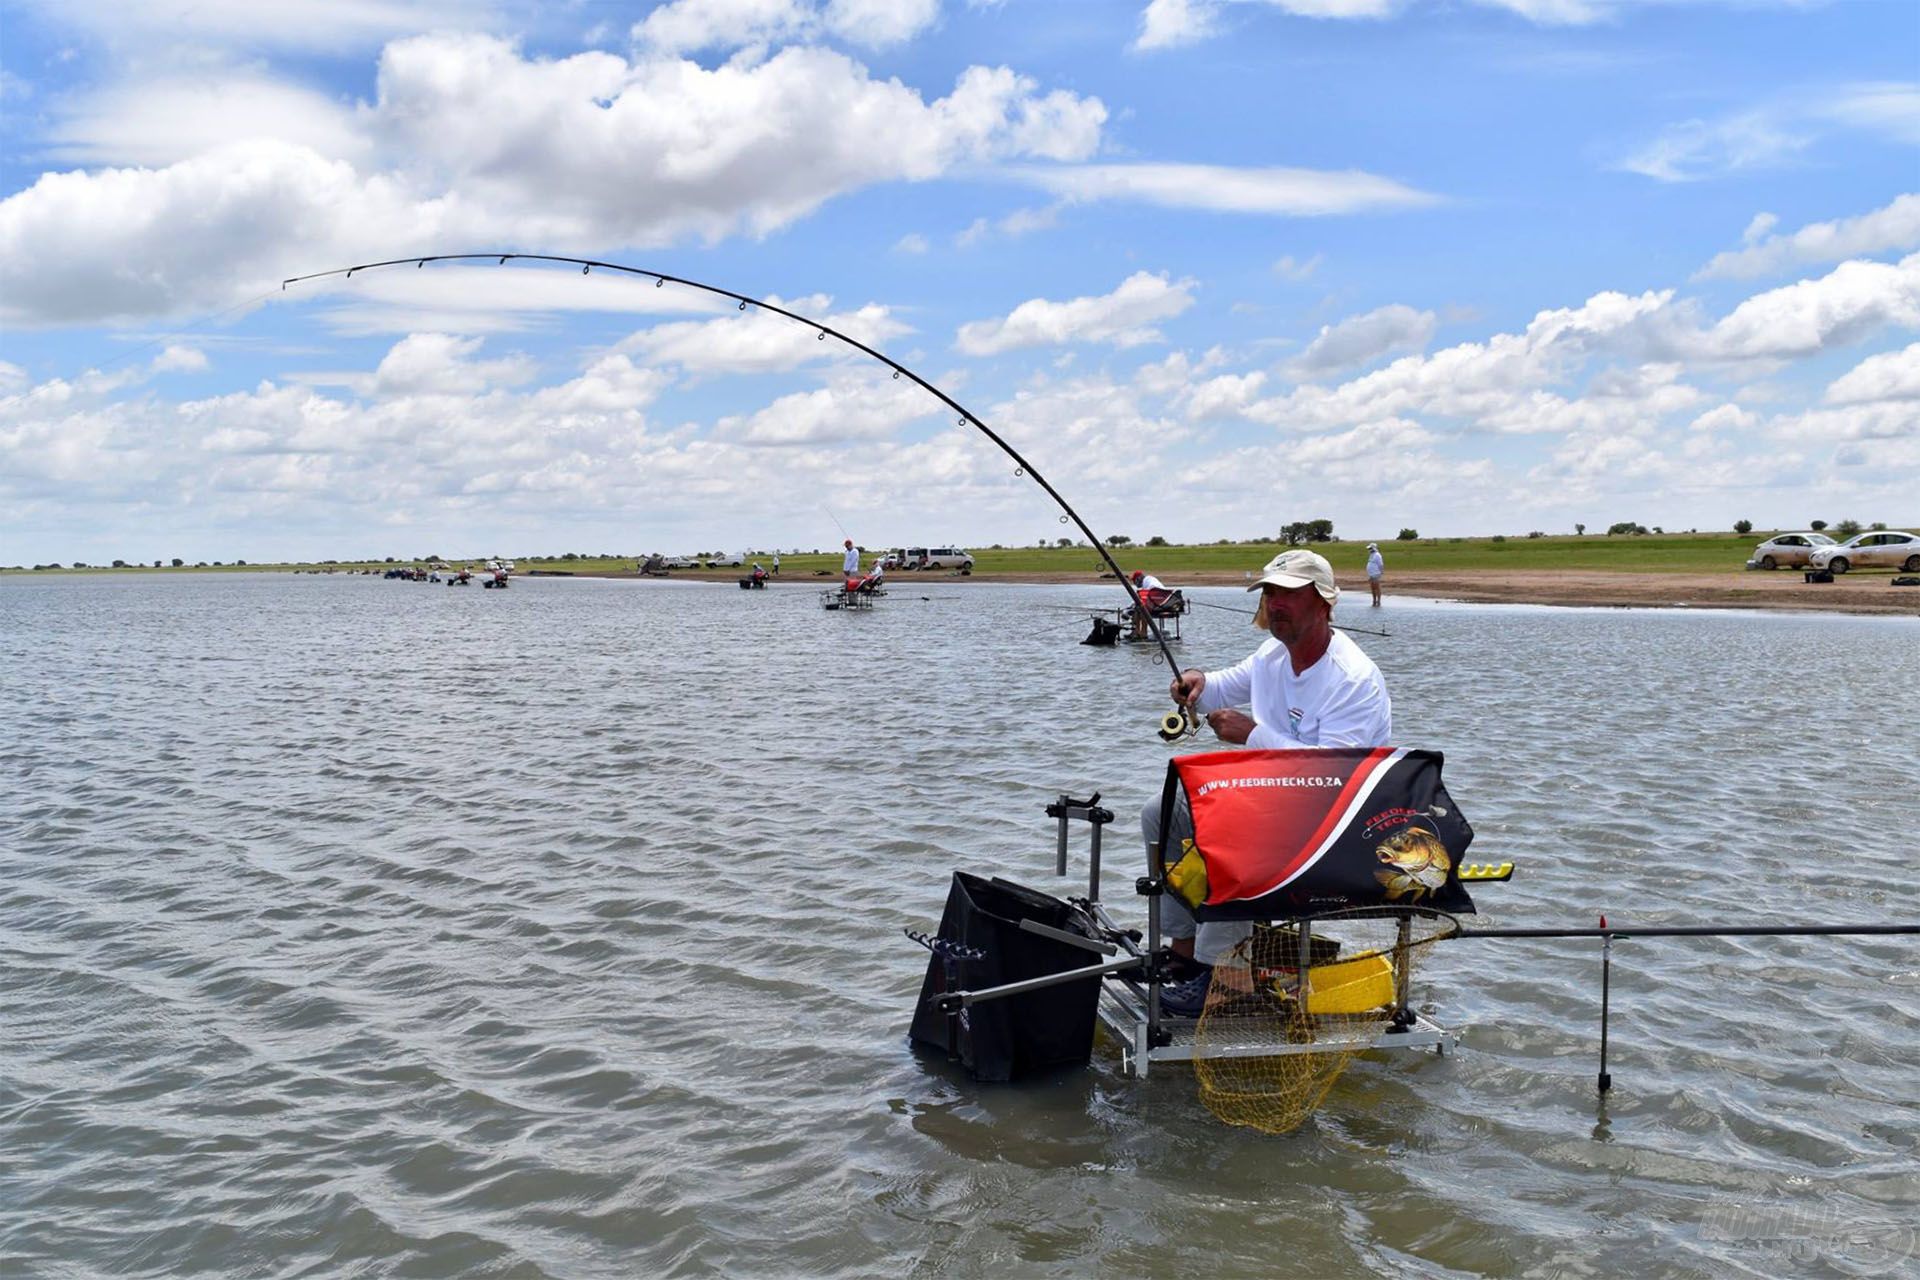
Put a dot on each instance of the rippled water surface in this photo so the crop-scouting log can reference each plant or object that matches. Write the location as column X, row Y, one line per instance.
column 355, row 927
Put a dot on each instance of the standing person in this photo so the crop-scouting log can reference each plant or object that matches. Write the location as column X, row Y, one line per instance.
column 1375, row 567
column 776, row 564
column 1306, row 686
column 850, row 563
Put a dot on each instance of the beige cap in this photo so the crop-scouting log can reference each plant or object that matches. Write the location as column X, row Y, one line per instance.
column 1299, row 569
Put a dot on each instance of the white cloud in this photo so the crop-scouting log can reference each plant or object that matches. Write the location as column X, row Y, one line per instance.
column 1799, row 320
column 757, row 341
column 1553, row 13
column 1362, row 339
column 1296, row 271
column 1894, row 227
column 1892, row 375
column 857, row 405
column 1291, row 192
column 179, row 359
column 1697, row 149
column 162, row 122
column 688, row 26
column 1018, row 223
column 1726, row 417
column 496, row 298
column 913, row 242
column 483, row 145
column 1888, row 108
column 1123, row 318
column 148, row 26
column 439, row 363
column 1168, row 24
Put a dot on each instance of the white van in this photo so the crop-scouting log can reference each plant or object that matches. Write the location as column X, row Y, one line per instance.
column 948, row 558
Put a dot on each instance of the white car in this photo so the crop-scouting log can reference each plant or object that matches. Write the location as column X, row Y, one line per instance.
column 1882, row 548
column 679, row 562
column 1791, row 549
column 728, row 561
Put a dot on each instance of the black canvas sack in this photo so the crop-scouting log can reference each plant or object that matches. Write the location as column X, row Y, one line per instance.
column 1038, row 1031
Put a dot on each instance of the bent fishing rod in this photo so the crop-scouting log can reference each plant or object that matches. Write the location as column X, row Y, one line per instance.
column 1176, row 724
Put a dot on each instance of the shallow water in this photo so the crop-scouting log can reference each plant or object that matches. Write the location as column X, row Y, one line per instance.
column 356, row 927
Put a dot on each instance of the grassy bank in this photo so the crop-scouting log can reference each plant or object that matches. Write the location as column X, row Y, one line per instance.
column 1651, row 553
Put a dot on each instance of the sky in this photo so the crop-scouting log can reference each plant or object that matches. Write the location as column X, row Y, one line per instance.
column 1212, row 266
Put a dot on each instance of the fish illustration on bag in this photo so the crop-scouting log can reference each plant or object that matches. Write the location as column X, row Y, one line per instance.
column 1416, row 863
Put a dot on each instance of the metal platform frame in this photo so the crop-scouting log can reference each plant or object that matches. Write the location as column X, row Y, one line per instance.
column 1129, row 1002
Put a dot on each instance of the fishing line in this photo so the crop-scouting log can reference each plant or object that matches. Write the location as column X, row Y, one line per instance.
column 1227, row 608
column 824, row 331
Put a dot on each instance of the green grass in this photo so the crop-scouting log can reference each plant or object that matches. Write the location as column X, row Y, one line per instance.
column 1652, row 553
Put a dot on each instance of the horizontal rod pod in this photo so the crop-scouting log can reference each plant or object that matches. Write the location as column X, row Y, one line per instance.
column 948, row 1001
column 1699, row 931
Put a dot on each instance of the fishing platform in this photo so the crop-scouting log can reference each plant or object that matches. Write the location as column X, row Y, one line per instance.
column 853, row 595
column 1117, row 626
column 1339, row 864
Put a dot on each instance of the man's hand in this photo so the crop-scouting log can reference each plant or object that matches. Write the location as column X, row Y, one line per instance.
column 1187, row 686
column 1229, row 725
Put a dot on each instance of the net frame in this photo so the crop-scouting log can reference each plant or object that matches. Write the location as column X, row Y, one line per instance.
column 1264, row 1057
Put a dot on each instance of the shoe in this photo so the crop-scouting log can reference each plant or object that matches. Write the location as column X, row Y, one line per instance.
column 1187, row 999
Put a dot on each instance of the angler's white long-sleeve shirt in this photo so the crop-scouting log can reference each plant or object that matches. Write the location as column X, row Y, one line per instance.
column 1339, row 701
column 850, row 563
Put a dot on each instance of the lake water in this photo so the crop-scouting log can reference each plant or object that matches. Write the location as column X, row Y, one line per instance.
column 356, row 927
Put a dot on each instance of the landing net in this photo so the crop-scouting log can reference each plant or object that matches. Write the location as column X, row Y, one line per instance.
column 1266, row 1050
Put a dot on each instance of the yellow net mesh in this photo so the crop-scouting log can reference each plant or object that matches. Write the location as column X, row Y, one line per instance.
column 1265, row 1057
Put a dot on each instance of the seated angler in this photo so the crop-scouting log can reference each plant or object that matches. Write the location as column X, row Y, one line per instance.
column 1307, row 686
column 1153, row 593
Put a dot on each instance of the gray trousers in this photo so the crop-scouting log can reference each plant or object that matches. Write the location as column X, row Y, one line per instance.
column 1213, row 940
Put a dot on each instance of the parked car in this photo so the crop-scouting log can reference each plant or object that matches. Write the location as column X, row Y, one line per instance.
column 948, row 558
column 1790, row 549
column 732, row 561
column 680, row 562
column 1883, row 548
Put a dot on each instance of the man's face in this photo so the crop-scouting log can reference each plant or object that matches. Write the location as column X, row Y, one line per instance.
column 1292, row 612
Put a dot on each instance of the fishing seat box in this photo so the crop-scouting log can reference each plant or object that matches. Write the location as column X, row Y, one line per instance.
column 1020, row 1035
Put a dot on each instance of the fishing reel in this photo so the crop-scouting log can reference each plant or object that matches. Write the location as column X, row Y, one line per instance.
column 1179, row 723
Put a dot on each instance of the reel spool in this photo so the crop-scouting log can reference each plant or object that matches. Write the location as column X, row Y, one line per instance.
column 1177, row 724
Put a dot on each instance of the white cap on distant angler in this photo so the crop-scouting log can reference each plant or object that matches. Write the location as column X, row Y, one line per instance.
column 1300, row 569
column 1373, row 546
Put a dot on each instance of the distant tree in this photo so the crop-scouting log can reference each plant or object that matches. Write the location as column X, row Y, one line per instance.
column 1656, row 529
column 239, row 562
column 1580, row 530
column 81, row 564
column 1817, row 525
column 1743, row 526
column 1407, row 535
column 569, row 556
column 1847, row 528
column 119, row 564
column 1538, row 533
column 1063, row 542
column 177, row 562
column 1156, row 541
column 1877, row 525
column 156, row 564
column 1302, row 531
column 1118, row 540
column 1625, row 526
column 1499, row 537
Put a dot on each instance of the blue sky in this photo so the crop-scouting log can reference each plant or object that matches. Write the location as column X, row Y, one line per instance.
column 1486, row 266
